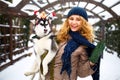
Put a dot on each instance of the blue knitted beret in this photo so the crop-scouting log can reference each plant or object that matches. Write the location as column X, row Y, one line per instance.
column 78, row 11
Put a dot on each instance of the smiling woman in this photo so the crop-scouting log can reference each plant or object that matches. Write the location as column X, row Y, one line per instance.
column 75, row 37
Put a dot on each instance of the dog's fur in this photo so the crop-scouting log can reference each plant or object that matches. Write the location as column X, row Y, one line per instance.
column 46, row 42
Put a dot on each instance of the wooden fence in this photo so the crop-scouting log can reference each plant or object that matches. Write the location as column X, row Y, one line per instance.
column 13, row 42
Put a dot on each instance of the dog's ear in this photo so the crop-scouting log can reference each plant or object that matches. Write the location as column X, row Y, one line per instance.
column 37, row 14
column 51, row 17
column 32, row 21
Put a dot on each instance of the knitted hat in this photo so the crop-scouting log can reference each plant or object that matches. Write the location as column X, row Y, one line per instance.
column 78, row 11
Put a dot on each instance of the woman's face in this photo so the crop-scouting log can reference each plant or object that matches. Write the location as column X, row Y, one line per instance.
column 74, row 22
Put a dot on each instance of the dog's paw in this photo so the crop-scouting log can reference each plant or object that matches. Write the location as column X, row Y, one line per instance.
column 45, row 71
column 42, row 77
column 27, row 73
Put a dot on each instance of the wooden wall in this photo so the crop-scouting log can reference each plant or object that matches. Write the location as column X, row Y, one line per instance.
column 13, row 42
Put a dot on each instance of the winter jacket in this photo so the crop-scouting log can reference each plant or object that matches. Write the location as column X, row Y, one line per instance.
column 79, row 64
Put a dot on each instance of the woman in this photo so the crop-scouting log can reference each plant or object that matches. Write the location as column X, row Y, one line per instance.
column 75, row 39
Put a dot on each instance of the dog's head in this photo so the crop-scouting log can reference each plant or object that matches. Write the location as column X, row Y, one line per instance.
column 43, row 24
column 42, row 27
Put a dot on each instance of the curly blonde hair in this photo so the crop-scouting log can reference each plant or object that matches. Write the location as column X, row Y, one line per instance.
column 86, row 30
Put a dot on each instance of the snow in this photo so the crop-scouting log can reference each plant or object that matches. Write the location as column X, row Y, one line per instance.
column 16, row 71
column 109, row 69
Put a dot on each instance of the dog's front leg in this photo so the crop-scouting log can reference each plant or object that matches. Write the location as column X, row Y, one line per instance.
column 48, row 58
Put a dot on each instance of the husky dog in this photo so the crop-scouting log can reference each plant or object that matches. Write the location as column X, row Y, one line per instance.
column 43, row 42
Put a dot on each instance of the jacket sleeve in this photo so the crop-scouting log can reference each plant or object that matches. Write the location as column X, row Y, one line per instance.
column 84, row 68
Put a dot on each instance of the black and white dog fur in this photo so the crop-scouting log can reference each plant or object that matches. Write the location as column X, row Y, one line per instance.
column 43, row 41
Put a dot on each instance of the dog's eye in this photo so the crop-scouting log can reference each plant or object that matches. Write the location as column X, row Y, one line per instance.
column 41, row 23
column 46, row 22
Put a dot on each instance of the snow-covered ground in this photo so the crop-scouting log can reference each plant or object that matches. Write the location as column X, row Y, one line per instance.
column 109, row 69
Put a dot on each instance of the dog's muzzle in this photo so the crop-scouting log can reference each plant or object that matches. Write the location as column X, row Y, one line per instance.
column 45, row 30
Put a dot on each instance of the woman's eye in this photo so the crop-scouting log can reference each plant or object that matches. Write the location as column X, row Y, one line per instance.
column 71, row 19
column 78, row 19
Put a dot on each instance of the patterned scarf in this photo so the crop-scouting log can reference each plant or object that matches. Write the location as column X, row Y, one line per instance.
column 71, row 46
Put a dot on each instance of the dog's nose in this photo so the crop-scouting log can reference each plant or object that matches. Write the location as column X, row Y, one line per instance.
column 45, row 30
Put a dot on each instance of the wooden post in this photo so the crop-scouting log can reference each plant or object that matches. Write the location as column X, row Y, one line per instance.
column 11, row 44
column 103, row 30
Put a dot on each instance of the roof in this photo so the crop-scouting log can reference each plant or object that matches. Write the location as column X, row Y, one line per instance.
column 96, row 9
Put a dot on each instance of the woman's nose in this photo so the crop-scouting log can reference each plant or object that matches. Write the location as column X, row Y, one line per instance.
column 74, row 21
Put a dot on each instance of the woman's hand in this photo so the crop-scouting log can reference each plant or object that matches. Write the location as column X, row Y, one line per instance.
column 92, row 64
